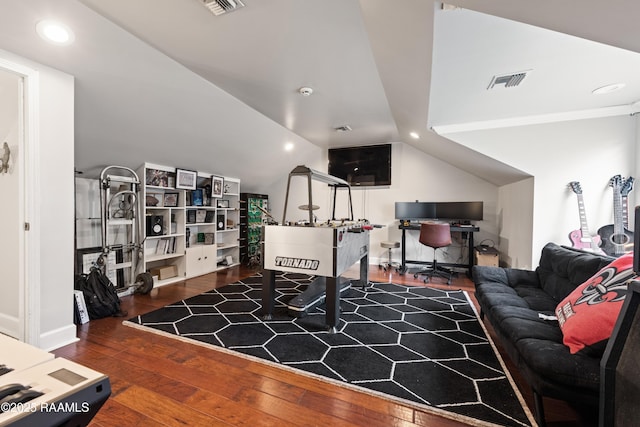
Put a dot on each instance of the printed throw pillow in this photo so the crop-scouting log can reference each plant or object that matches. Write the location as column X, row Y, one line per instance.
column 589, row 313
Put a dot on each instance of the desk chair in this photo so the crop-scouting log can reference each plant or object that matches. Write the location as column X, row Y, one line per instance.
column 435, row 235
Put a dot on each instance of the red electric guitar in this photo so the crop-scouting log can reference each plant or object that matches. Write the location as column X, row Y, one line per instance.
column 582, row 238
column 616, row 239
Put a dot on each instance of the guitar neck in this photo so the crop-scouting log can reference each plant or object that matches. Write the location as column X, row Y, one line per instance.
column 625, row 212
column 583, row 216
column 618, row 226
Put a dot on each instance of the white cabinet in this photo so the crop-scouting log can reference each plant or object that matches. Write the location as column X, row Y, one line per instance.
column 201, row 259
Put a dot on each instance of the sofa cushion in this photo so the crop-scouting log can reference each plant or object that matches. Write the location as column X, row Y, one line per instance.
column 587, row 315
column 552, row 362
column 519, row 323
column 562, row 269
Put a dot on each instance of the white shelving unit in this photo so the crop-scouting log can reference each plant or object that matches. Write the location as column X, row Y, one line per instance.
column 201, row 227
column 163, row 206
column 194, row 239
column 228, row 224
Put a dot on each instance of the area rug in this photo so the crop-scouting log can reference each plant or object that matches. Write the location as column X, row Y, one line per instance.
column 420, row 346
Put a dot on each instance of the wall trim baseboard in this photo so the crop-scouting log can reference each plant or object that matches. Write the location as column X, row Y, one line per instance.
column 57, row 338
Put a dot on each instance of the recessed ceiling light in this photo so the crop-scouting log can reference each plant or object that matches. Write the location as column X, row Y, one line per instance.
column 55, row 32
column 305, row 91
column 288, row 146
column 343, row 128
column 608, row 88
column 414, row 135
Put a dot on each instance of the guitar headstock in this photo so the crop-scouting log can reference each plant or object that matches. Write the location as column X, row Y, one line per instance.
column 627, row 186
column 575, row 187
column 615, row 182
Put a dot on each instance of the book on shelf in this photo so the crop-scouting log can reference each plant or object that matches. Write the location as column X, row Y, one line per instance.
column 201, row 215
column 161, row 248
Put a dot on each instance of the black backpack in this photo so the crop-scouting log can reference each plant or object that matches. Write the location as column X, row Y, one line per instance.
column 100, row 295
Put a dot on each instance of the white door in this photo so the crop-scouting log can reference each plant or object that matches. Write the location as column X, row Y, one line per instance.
column 12, row 269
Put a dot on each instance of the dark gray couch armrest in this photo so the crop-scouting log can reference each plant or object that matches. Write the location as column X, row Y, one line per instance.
column 505, row 276
column 485, row 274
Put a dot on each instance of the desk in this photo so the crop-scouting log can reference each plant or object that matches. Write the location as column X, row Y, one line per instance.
column 416, row 226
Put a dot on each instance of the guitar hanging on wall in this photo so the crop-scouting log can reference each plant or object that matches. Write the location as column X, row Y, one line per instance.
column 582, row 238
column 616, row 239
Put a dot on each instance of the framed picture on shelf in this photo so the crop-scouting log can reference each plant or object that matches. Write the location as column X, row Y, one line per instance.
column 170, row 200
column 210, row 217
column 157, row 178
column 223, row 203
column 217, row 184
column 186, row 179
column 197, row 197
column 201, row 215
column 154, row 200
column 208, row 238
column 191, row 216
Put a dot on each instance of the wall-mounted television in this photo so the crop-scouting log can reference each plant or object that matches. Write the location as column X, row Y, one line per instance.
column 368, row 165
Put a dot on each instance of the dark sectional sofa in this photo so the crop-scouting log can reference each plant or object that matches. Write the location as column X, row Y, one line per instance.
column 512, row 299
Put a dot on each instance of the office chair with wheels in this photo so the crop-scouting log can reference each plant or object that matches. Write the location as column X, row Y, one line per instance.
column 435, row 235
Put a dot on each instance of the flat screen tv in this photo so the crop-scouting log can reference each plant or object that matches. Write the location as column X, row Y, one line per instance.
column 362, row 166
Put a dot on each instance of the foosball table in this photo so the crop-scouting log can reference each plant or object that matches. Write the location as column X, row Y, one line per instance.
column 322, row 249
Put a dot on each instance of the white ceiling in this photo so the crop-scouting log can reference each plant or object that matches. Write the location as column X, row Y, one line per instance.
column 137, row 97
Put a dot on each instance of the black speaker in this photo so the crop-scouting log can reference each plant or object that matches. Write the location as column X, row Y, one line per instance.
column 154, row 225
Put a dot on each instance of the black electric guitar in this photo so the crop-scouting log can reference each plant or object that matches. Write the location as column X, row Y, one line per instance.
column 582, row 238
column 616, row 239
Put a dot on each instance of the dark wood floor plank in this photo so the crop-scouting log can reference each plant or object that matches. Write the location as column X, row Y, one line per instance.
column 294, row 414
column 163, row 409
column 233, row 412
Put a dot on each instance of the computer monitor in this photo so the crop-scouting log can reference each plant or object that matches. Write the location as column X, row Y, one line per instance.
column 464, row 211
column 415, row 210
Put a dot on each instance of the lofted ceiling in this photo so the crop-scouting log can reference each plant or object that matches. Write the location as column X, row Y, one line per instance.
column 169, row 82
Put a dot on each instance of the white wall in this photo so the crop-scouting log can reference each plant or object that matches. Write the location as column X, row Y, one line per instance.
column 515, row 222
column 56, row 168
column 10, row 226
column 52, row 221
column 415, row 176
column 589, row 151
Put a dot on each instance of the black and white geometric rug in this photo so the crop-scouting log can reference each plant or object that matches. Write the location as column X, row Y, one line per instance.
column 418, row 345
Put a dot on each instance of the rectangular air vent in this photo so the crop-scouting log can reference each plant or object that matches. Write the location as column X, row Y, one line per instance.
column 508, row 80
column 220, row 7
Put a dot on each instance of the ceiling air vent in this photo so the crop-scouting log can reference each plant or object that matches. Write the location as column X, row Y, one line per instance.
column 220, row 7
column 508, row 80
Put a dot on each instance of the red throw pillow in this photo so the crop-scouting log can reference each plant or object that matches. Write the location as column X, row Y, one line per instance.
column 589, row 313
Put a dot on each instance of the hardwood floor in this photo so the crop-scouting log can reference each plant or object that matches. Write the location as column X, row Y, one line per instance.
column 159, row 381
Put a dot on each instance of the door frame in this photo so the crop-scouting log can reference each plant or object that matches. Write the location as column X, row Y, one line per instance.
column 27, row 160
